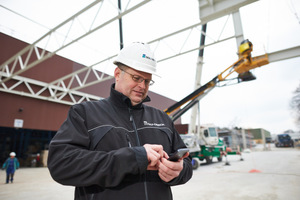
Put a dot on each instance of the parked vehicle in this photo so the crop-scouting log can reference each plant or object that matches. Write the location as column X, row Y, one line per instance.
column 204, row 145
column 284, row 140
column 268, row 140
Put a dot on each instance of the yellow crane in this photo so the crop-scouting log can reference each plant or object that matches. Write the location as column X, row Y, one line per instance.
column 242, row 67
column 211, row 145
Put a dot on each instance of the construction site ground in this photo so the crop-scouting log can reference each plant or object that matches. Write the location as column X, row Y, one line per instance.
column 272, row 173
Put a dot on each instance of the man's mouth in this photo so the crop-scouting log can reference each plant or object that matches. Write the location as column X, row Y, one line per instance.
column 139, row 93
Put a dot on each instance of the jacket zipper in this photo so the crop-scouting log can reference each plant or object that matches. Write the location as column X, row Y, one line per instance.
column 134, row 127
column 138, row 144
column 128, row 140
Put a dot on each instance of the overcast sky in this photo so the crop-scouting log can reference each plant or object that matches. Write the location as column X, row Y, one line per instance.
column 271, row 25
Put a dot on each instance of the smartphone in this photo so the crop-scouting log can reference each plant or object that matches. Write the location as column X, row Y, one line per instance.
column 178, row 154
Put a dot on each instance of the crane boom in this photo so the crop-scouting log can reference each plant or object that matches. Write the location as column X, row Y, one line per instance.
column 242, row 67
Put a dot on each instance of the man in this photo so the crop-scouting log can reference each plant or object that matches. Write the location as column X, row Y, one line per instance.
column 117, row 148
column 11, row 165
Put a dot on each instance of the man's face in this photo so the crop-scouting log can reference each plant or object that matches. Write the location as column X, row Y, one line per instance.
column 135, row 91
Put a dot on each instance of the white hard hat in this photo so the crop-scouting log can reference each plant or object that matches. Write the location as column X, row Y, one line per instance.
column 12, row 154
column 139, row 57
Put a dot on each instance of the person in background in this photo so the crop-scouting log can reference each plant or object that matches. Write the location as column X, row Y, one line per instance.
column 118, row 147
column 38, row 160
column 11, row 165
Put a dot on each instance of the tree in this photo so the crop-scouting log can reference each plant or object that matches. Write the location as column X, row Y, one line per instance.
column 295, row 105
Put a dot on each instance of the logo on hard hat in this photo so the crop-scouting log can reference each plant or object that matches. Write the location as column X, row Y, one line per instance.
column 145, row 56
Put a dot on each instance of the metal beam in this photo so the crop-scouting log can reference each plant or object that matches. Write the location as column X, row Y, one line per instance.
column 68, row 87
column 157, row 41
column 69, row 84
column 39, row 57
column 59, row 90
column 212, row 9
column 238, row 29
column 17, row 64
column 31, row 86
column 284, row 54
column 194, row 49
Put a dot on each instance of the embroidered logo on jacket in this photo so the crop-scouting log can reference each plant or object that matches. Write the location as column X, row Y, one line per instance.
column 152, row 124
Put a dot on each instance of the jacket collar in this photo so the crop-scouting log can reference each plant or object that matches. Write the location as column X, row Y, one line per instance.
column 123, row 101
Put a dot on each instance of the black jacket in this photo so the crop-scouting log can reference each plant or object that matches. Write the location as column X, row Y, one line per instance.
column 99, row 149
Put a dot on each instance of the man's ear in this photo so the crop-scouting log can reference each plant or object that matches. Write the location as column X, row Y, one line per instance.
column 117, row 73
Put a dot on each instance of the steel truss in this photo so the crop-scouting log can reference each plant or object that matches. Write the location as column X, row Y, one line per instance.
column 66, row 90
column 57, row 90
column 31, row 56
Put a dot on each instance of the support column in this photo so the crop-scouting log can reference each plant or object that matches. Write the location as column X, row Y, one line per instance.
column 192, row 125
column 238, row 28
column 120, row 25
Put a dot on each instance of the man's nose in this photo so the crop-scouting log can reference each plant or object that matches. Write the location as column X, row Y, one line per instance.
column 143, row 84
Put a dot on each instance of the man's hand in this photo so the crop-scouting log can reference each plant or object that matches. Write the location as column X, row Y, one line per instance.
column 154, row 155
column 168, row 170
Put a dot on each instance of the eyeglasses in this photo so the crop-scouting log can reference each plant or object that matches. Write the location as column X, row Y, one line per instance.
column 139, row 79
